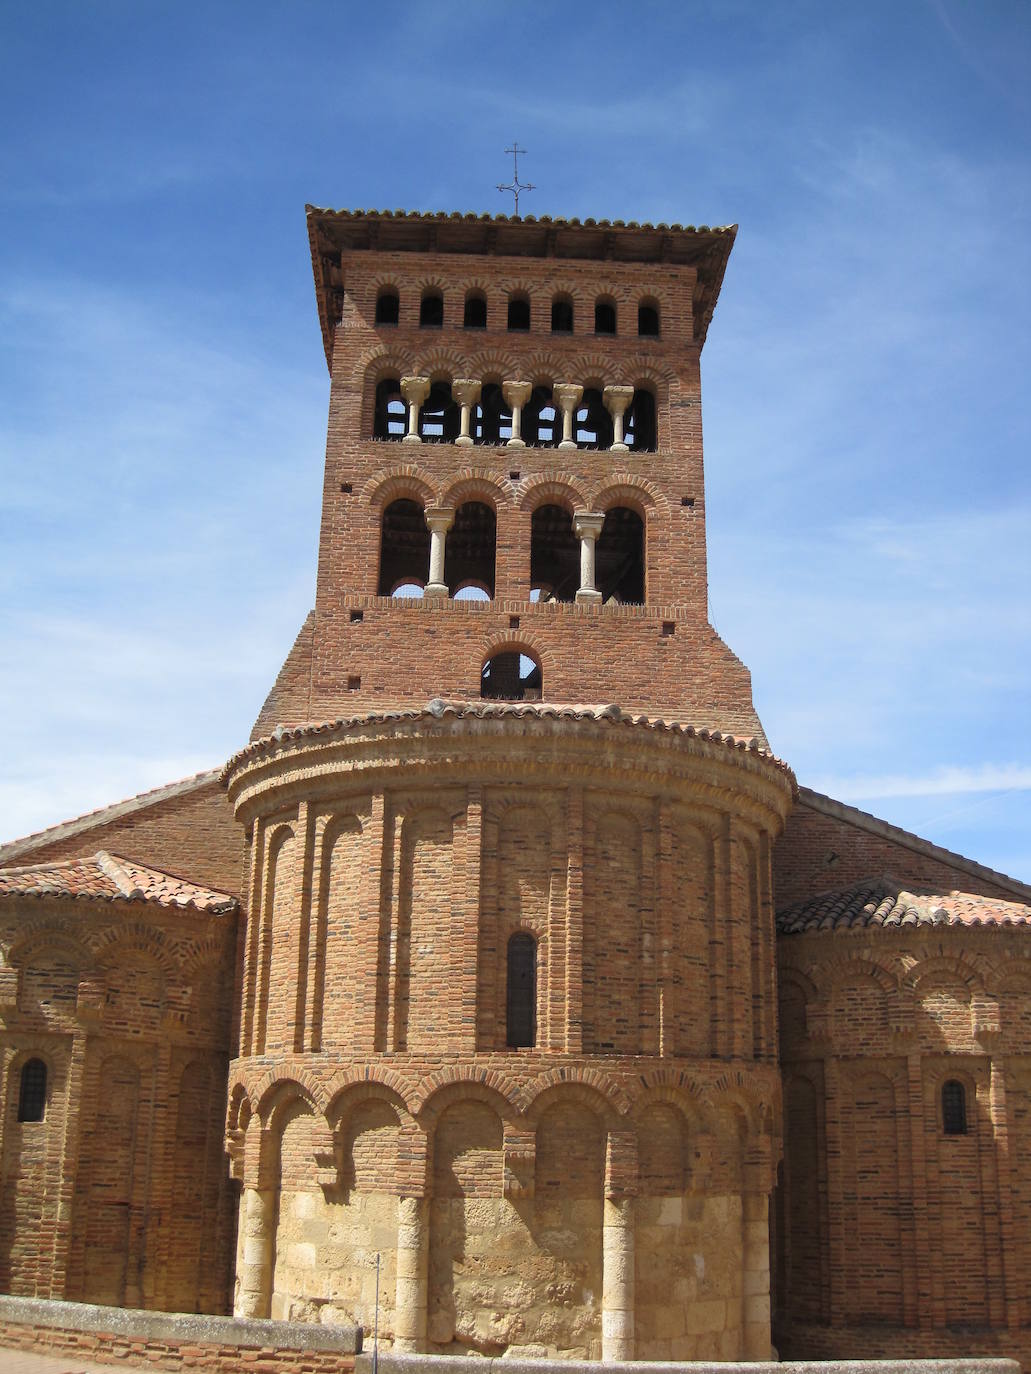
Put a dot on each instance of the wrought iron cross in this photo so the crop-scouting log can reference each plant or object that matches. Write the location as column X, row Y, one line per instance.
column 515, row 185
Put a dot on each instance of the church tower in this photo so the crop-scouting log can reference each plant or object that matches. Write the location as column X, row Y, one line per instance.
column 508, row 993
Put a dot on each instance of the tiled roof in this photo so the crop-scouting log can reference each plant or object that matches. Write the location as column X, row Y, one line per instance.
column 438, row 709
column 887, row 903
column 104, row 877
column 14, row 849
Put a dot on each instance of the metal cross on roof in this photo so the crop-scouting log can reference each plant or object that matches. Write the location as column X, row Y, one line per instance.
column 515, row 185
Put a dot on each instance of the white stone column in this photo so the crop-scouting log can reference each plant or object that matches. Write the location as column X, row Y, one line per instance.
column 617, row 1280
column 466, row 392
column 587, row 526
column 439, row 519
column 412, row 1271
column 567, row 396
column 414, row 390
column 517, row 394
column 616, row 399
column 258, row 1223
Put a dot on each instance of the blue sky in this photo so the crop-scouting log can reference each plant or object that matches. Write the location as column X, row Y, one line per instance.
column 865, row 384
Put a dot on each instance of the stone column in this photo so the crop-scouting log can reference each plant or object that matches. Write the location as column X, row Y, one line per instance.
column 439, row 519
column 412, row 1270
column 258, row 1222
column 587, row 525
column 517, row 394
column 414, row 390
column 617, row 1282
column 567, row 397
column 616, row 399
column 466, row 392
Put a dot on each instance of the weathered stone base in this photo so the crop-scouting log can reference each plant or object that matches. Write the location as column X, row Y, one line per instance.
column 901, row 1345
column 447, row 1364
column 175, row 1341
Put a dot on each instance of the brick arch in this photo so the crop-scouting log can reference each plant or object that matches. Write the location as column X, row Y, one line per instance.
column 343, row 1100
column 140, row 939
column 541, row 368
column 212, row 949
column 237, row 1099
column 447, row 1087
column 498, row 807
column 953, row 967
column 276, row 1090
column 399, row 480
column 477, row 484
column 958, row 1066
column 546, row 486
column 650, row 372
column 692, row 1102
column 51, row 936
column 430, row 282
column 440, row 364
column 374, row 1073
column 596, row 368
column 624, row 488
column 847, row 967
column 590, row 1087
column 510, row 642
column 1012, row 976
column 489, row 362
column 383, row 360
column 791, row 974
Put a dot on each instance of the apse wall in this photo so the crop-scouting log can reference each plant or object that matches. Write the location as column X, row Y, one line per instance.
column 546, row 1181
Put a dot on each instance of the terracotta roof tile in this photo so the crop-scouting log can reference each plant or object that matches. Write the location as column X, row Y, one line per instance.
column 887, row 903
column 438, row 709
column 105, row 877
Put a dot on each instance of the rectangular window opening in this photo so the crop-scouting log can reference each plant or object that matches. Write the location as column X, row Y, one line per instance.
column 357, row 617
column 354, row 684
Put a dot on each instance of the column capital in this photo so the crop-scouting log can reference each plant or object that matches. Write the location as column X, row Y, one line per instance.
column 587, row 524
column 517, row 393
column 415, row 389
column 617, row 398
column 567, row 393
column 465, row 390
column 439, row 519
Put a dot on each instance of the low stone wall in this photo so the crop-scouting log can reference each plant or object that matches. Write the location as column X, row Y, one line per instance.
column 176, row 1341
column 465, row 1364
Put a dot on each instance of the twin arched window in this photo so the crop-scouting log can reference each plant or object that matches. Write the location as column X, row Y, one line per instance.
column 32, row 1093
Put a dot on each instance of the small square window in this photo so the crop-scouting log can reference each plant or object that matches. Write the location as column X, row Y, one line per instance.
column 354, row 684
column 357, row 617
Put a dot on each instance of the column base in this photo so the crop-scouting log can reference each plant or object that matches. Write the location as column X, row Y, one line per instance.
column 412, row 439
column 584, row 596
column 464, row 441
column 567, row 444
column 436, row 591
column 515, row 443
column 620, row 448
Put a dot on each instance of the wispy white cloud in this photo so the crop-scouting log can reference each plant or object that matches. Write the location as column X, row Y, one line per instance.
column 943, row 781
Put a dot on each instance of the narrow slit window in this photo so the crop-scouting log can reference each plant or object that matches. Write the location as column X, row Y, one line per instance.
column 521, row 999
column 387, row 307
column 431, row 310
column 954, row 1108
column 32, row 1094
column 475, row 311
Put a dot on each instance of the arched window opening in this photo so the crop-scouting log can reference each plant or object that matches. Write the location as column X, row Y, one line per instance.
column 492, row 416
column 648, row 320
column 554, row 555
column 639, row 427
column 431, row 310
column 469, row 552
column 593, row 421
column 475, row 311
column 620, row 557
column 605, row 316
column 541, row 422
column 440, row 418
column 32, row 1095
column 511, row 676
column 521, row 992
column 409, row 591
column 519, row 313
column 387, row 306
column 470, row 591
column 390, row 413
column 562, row 315
column 954, row 1108
column 404, row 557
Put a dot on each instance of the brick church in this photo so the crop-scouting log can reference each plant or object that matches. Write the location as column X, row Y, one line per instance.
column 506, row 950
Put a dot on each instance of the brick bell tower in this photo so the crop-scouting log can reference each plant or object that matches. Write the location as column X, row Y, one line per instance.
column 509, row 993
